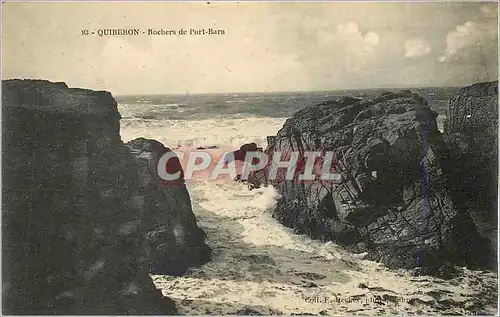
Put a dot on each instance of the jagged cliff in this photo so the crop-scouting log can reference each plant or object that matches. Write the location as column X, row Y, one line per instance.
column 393, row 201
column 471, row 134
column 83, row 225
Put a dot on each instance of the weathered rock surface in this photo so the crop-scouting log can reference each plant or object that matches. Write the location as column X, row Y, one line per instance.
column 78, row 211
column 173, row 238
column 471, row 134
column 392, row 201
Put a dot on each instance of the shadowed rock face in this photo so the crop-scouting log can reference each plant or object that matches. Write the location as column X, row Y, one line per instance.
column 392, row 201
column 471, row 134
column 77, row 211
column 174, row 240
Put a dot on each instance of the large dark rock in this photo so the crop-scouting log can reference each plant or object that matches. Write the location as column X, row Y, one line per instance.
column 391, row 201
column 175, row 241
column 471, row 134
column 76, row 211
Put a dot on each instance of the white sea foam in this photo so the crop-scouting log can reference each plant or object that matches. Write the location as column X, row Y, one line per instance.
column 258, row 264
column 224, row 133
column 440, row 122
column 261, row 265
column 138, row 110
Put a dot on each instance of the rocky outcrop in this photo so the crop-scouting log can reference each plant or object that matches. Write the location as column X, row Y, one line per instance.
column 391, row 201
column 78, row 213
column 471, row 134
column 174, row 240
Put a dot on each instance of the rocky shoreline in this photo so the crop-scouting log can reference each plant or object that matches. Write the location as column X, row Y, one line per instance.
column 86, row 222
column 83, row 223
column 411, row 197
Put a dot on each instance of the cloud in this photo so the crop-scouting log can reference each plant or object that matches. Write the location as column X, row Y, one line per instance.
column 371, row 38
column 416, row 48
column 486, row 9
column 471, row 52
column 468, row 36
column 347, row 28
column 355, row 49
column 464, row 35
column 343, row 46
column 349, row 32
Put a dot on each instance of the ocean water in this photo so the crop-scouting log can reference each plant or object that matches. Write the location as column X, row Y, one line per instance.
column 259, row 265
column 230, row 120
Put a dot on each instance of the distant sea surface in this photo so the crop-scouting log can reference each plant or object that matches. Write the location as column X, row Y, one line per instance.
column 237, row 105
column 231, row 119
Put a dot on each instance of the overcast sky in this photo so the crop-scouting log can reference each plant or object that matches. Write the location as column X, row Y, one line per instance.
column 266, row 46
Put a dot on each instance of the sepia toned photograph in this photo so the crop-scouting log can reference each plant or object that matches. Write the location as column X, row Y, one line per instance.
column 249, row 158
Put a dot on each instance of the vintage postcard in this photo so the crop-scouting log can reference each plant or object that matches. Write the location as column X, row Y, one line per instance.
column 249, row 158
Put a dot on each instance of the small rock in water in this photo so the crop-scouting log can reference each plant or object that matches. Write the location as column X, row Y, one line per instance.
column 309, row 285
column 248, row 312
column 207, row 148
column 310, row 275
column 417, row 271
column 447, row 271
